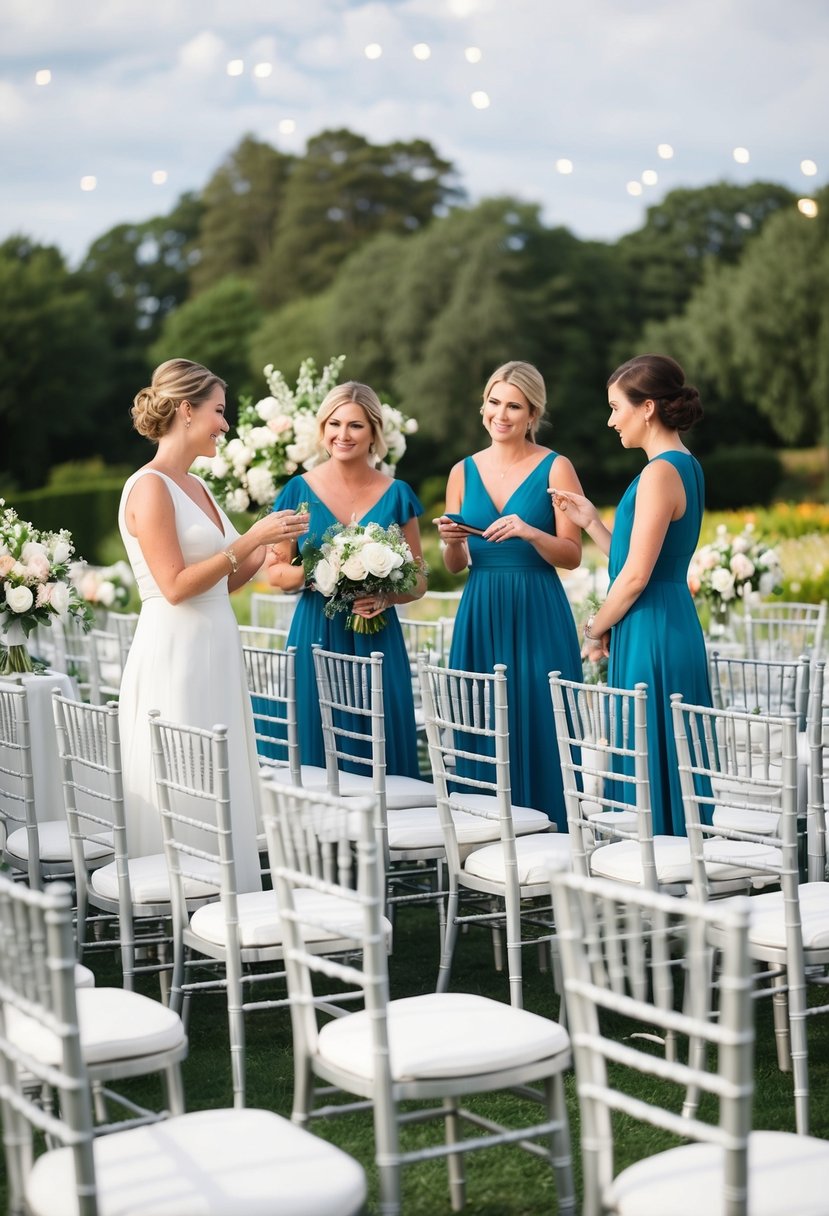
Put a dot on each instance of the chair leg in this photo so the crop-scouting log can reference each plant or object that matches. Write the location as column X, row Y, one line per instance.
column 450, row 937
column 561, row 1148
column 303, row 1089
column 454, row 1162
column 236, row 1031
column 780, row 1009
column 174, row 1086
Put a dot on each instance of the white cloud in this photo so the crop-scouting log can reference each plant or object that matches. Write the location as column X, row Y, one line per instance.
column 138, row 85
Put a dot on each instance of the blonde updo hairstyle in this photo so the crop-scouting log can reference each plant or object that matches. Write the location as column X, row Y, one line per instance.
column 177, row 380
column 530, row 381
column 362, row 395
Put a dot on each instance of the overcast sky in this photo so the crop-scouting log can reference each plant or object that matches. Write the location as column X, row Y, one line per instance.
column 505, row 89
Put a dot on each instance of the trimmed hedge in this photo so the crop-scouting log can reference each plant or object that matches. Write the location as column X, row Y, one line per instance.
column 89, row 512
column 739, row 476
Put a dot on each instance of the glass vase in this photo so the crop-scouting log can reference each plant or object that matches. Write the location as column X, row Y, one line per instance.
column 14, row 653
column 719, row 624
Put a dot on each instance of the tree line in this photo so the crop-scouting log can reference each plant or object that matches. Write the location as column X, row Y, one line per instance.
column 372, row 250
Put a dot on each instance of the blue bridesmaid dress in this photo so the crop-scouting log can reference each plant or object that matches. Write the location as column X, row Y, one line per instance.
column 660, row 641
column 309, row 625
column 514, row 611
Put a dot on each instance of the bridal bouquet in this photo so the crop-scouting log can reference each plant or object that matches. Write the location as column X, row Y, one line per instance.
column 357, row 560
column 34, row 585
column 103, row 586
column 276, row 437
column 733, row 567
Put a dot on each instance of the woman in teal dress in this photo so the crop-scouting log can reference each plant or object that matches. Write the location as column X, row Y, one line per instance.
column 513, row 609
column 348, row 487
column 648, row 624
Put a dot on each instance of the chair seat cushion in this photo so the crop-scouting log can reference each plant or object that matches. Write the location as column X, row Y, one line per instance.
column 524, row 818
column 210, row 1163
column 622, row 860
column 149, row 883
column 786, row 1174
column 84, row 978
column 535, row 856
column 53, row 842
column 443, row 1034
column 114, row 1025
column 767, row 925
column 401, row 792
column 420, row 828
column 260, row 926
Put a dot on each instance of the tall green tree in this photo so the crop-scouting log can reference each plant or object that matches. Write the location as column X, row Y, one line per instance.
column 342, row 192
column 52, row 348
column 241, row 205
column 215, row 328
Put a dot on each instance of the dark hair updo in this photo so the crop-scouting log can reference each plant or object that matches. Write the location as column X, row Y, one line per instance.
column 660, row 379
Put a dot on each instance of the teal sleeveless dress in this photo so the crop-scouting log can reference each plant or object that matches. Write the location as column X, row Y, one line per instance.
column 514, row 611
column 659, row 641
column 310, row 625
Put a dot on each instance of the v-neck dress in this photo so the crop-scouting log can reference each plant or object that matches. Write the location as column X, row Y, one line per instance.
column 186, row 661
column 659, row 640
column 514, row 611
column 310, row 626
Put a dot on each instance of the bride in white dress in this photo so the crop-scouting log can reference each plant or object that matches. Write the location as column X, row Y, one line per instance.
column 186, row 657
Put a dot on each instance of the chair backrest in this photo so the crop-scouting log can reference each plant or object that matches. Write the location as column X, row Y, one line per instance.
column 193, row 787
column 271, row 679
column 784, row 629
column 603, row 747
column 263, row 637
column 72, row 651
column 37, row 981
column 765, row 686
column 312, row 838
column 123, row 625
column 89, row 748
column 17, row 789
column 622, row 972
column 106, row 665
column 467, row 729
column 272, row 610
column 818, row 737
column 441, row 603
column 423, row 637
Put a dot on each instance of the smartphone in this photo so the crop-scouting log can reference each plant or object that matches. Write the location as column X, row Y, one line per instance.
column 461, row 523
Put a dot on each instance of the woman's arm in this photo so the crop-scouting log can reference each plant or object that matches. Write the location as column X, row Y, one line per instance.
column 660, row 498
column 580, row 511
column 151, row 519
column 280, row 570
column 453, row 538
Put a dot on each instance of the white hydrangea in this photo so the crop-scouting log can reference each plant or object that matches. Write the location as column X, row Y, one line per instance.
column 260, row 484
column 267, row 408
column 237, row 500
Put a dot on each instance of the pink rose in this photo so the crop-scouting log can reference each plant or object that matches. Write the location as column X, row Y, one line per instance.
column 6, row 563
column 38, row 567
column 282, row 422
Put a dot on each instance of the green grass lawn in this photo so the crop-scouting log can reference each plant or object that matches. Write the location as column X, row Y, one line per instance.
column 500, row 1182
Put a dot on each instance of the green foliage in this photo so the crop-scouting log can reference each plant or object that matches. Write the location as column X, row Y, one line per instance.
column 215, row 328
column 85, row 472
column 295, row 332
column 735, row 476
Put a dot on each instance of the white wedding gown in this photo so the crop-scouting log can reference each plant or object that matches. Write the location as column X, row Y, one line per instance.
column 186, row 661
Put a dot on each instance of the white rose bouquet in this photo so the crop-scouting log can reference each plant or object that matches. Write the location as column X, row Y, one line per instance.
column 103, row 586
column 34, row 585
column 358, row 560
column 277, row 436
column 730, row 568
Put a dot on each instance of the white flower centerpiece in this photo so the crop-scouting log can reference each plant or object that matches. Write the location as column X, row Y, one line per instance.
column 356, row 560
column 733, row 568
column 276, row 437
column 103, row 587
column 35, row 586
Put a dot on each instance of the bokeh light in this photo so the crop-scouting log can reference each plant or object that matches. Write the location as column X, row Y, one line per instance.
column 235, row 67
column 664, row 151
column 158, row 177
column 89, row 183
column 741, row 155
column 650, row 177
column 480, row 99
column 564, row 165
column 807, row 207
column 43, row 76
column 263, row 70
column 473, row 54
column 422, row 50
column 373, row 50
column 287, row 126
column 808, row 167
column 634, row 188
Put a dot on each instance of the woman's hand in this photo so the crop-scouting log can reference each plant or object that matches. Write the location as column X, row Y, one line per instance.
column 279, row 527
column 508, row 527
column 576, row 507
column 593, row 650
column 448, row 531
column 371, row 605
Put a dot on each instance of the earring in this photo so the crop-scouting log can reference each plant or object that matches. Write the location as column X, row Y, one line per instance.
column 187, row 422
column 371, row 448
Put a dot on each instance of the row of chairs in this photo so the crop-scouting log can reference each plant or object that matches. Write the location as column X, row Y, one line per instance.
column 635, row 955
column 781, row 629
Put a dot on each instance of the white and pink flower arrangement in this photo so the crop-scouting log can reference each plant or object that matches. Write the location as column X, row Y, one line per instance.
column 356, row 560
column 276, row 437
column 742, row 567
column 35, row 586
column 103, row 587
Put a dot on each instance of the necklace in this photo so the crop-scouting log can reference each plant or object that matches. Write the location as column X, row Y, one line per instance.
column 502, row 474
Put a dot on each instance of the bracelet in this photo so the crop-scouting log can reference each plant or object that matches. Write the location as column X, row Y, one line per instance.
column 591, row 637
column 231, row 557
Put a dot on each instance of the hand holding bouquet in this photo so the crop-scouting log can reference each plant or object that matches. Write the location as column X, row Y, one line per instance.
column 361, row 562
